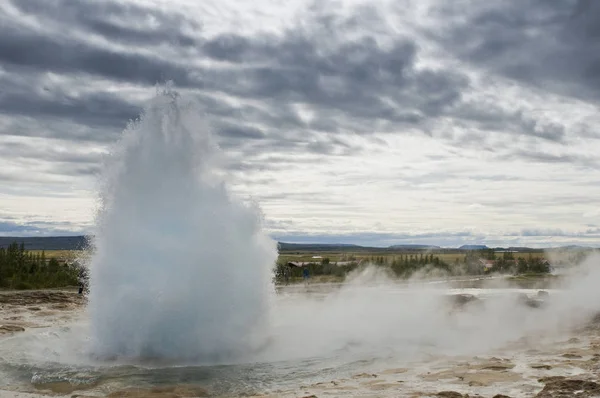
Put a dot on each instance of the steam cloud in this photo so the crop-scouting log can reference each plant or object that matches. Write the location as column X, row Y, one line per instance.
column 181, row 269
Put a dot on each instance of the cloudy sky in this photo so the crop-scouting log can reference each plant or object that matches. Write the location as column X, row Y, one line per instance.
column 369, row 122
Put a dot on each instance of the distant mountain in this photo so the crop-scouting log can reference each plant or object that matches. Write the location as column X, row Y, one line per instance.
column 46, row 242
column 520, row 249
column 473, row 247
column 80, row 242
column 316, row 246
column 414, row 247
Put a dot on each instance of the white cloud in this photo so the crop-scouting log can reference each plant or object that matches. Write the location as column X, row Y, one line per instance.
column 375, row 121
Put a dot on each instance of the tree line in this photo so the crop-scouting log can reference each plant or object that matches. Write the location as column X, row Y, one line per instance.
column 403, row 266
column 406, row 265
column 24, row 269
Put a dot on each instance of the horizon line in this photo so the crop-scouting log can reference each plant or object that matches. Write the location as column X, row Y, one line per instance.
column 400, row 245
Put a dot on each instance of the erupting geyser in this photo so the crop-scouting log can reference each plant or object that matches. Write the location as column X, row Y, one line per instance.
column 182, row 269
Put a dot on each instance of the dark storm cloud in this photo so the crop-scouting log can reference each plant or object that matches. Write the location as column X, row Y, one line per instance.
column 51, row 154
column 544, row 157
column 36, row 51
column 97, row 109
column 355, row 85
column 360, row 78
column 553, row 45
column 118, row 21
column 48, row 49
column 589, row 233
column 240, row 131
column 490, row 117
column 12, row 227
column 59, row 128
column 38, row 228
column 76, row 170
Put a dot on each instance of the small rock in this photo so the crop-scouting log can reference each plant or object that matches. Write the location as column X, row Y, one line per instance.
column 572, row 356
column 449, row 394
column 497, row 366
column 62, row 387
column 11, row 329
column 501, row 396
column 568, row 388
column 461, row 300
column 364, row 376
column 161, row 392
column 541, row 366
column 551, row 379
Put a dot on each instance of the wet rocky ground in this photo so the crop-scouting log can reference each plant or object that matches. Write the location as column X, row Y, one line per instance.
column 566, row 367
column 20, row 310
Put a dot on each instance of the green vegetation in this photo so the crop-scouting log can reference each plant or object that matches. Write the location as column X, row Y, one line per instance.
column 23, row 269
column 70, row 255
column 403, row 266
column 336, row 265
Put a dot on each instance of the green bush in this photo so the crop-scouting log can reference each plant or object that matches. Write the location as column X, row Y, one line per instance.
column 21, row 269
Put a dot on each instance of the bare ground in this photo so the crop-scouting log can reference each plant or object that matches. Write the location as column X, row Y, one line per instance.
column 558, row 369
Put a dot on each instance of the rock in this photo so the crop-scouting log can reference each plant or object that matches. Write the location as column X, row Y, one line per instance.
column 364, row 376
column 500, row 396
column 497, row 366
column 37, row 297
column 543, row 293
column 574, row 340
column 449, row 394
column 563, row 388
column 460, row 300
column 541, row 366
column 571, row 356
column 161, row 392
column 523, row 299
column 550, row 379
column 11, row 329
column 394, row 371
column 475, row 383
column 63, row 387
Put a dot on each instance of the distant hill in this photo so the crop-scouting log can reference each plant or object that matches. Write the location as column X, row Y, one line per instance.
column 316, row 246
column 520, row 249
column 47, row 242
column 346, row 247
column 473, row 247
column 80, row 242
column 414, row 247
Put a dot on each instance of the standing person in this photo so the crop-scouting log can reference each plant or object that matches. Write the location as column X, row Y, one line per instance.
column 286, row 275
column 305, row 275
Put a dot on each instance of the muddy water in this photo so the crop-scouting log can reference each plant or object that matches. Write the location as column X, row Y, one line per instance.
column 42, row 351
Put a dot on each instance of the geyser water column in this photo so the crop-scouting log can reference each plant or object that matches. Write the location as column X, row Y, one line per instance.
column 181, row 269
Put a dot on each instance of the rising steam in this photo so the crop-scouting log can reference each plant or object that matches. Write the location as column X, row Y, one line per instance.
column 181, row 269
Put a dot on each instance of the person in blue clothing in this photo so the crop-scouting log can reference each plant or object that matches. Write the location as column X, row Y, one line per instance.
column 305, row 274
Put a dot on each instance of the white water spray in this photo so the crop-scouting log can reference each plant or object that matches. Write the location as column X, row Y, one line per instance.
column 182, row 269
